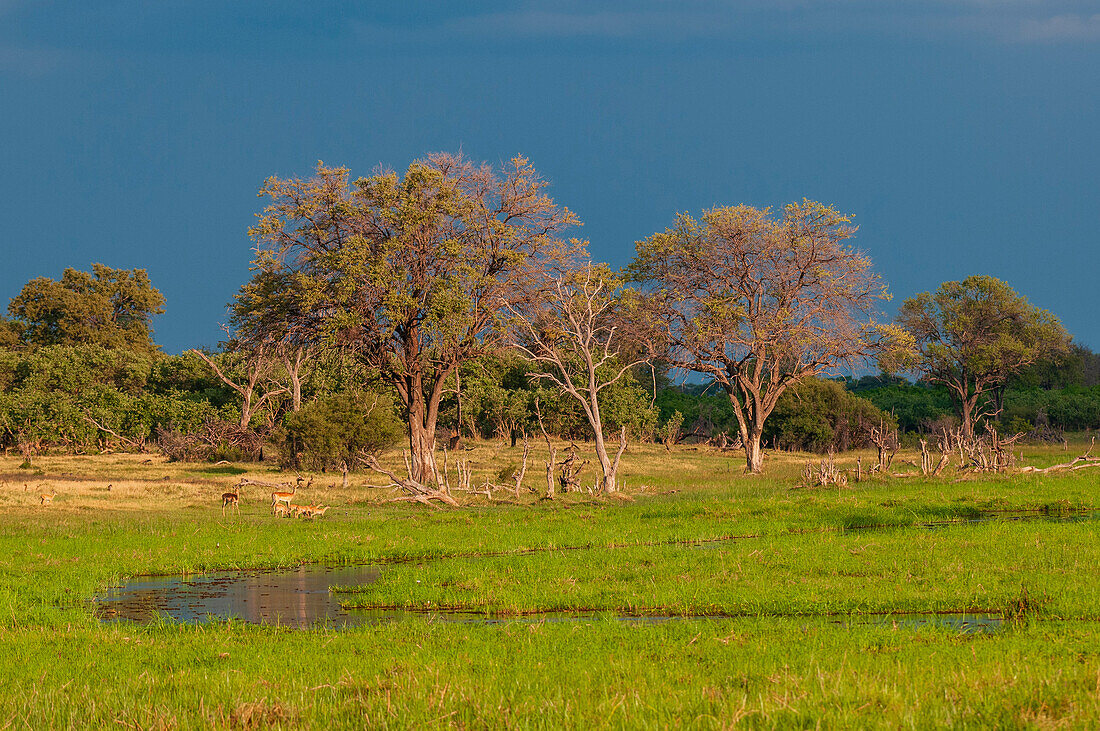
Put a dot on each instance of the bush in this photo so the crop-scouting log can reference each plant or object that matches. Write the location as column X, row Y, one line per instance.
column 817, row 416
column 346, row 427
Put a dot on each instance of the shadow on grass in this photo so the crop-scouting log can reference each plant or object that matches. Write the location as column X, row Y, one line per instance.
column 222, row 470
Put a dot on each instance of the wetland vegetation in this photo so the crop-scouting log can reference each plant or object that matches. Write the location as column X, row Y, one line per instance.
column 788, row 602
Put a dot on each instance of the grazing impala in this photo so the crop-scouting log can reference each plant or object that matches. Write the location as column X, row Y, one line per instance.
column 47, row 497
column 283, row 497
column 313, row 511
column 233, row 500
column 280, row 509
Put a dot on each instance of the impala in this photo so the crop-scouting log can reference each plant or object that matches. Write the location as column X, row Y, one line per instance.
column 313, row 511
column 280, row 509
column 47, row 497
column 283, row 497
column 233, row 500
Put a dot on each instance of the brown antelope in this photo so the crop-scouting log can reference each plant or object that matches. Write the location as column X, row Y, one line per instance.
column 47, row 497
column 283, row 497
column 233, row 500
column 313, row 511
column 280, row 509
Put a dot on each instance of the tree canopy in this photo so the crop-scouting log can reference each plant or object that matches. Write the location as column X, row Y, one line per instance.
column 112, row 308
column 973, row 336
column 410, row 273
column 758, row 302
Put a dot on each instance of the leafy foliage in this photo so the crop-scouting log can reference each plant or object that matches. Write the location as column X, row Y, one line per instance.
column 758, row 302
column 346, row 427
column 973, row 336
column 412, row 273
column 817, row 415
column 112, row 308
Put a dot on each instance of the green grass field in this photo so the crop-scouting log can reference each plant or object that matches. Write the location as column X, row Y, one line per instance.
column 779, row 600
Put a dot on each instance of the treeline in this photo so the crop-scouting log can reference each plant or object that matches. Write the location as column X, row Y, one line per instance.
column 452, row 301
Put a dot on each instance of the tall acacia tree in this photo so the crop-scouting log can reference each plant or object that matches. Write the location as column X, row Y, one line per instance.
column 758, row 302
column 412, row 274
column 973, row 336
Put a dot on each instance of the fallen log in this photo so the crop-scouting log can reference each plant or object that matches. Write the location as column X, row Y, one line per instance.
column 418, row 493
column 245, row 482
column 1079, row 463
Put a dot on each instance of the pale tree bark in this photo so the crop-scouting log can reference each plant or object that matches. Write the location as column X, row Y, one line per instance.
column 259, row 366
column 294, row 360
column 571, row 332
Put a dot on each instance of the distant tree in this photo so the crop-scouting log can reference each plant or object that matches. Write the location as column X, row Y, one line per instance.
column 1077, row 366
column 569, row 334
column 11, row 334
column 818, row 415
column 109, row 307
column 973, row 336
column 411, row 274
column 759, row 303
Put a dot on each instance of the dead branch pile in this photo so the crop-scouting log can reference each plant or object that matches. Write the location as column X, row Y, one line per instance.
column 416, row 492
column 885, row 438
column 569, row 476
column 989, row 452
column 930, row 467
column 213, row 440
column 823, row 474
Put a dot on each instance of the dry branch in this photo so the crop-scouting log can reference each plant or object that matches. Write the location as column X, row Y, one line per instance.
column 418, row 492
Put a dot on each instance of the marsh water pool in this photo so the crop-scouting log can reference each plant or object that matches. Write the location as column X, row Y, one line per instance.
column 301, row 598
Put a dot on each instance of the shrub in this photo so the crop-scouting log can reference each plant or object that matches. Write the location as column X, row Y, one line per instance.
column 346, row 427
column 817, row 416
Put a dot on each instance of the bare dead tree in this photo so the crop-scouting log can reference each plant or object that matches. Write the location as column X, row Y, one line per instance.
column 523, row 468
column 885, row 438
column 571, row 332
column 570, row 471
column 551, row 452
column 257, row 385
column 927, row 467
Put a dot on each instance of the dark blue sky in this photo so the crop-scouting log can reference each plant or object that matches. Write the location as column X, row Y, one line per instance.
column 963, row 134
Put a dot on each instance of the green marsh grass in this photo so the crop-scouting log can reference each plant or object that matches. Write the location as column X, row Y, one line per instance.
column 699, row 537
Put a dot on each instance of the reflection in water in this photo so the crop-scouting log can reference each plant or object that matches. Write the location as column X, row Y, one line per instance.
column 300, row 598
column 296, row 597
column 964, row 624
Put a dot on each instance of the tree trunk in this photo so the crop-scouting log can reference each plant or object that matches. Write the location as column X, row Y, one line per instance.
column 754, row 453
column 246, row 408
column 296, row 392
column 421, row 442
column 607, row 470
column 967, row 407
